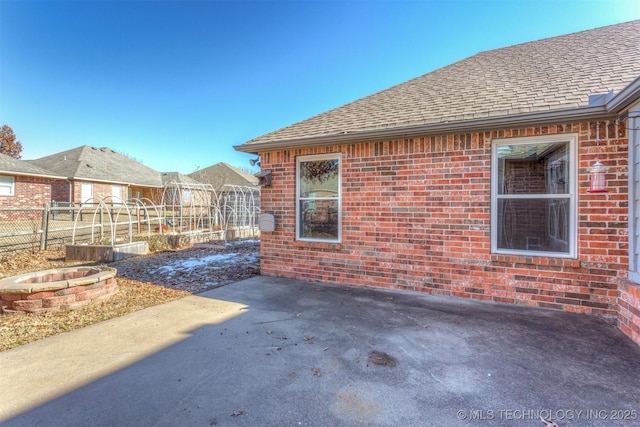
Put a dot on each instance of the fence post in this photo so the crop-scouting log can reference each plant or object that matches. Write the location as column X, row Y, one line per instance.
column 45, row 227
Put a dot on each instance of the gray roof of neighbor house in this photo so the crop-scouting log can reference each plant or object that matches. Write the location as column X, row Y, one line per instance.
column 538, row 82
column 176, row 178
column 99, row 165
column 222, row 173
column 11, row 166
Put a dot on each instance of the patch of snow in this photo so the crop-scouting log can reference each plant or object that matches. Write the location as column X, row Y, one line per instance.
column 242, row 242
column 212, row 261
column 199, row 262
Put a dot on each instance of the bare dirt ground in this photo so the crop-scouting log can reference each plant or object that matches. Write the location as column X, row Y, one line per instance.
column 143, row 282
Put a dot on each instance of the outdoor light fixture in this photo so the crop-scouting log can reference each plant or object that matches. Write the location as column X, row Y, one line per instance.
column 255, row 161
column 597, row 178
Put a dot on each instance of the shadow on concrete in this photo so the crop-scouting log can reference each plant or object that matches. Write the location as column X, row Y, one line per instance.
column 307, row 354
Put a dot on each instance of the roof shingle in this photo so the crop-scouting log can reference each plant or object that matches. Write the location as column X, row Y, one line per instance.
column 557, row 73
column 99, row 164
column 221, row 174
column 11, row 166
column 178, row 179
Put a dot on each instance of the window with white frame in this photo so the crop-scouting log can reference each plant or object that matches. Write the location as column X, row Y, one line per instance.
column 86, row 192
column 116, row 194
column 171, row 196
column 318, row 210
column 533, row 203
column 187, row 197
column 7, row 185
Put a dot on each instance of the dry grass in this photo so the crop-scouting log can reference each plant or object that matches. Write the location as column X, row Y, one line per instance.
column 19, row 329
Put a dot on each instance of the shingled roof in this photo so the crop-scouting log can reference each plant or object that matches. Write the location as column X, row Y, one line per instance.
column 11, row 166
column 99, row 165
column 222, row 173
column 176, row 178
column 537, row 81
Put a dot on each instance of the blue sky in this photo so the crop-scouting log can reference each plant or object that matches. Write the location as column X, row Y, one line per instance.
column 175, row 84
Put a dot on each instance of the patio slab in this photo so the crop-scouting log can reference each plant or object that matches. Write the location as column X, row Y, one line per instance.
column 278, row 352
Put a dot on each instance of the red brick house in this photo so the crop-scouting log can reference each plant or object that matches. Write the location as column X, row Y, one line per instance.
column 474, row 180
column 97, row 173
column 231, row 185
column 24, row 185
column 182, row 190
column 222, row 174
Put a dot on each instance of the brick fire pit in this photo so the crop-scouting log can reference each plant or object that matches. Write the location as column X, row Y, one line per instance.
column 60, row 288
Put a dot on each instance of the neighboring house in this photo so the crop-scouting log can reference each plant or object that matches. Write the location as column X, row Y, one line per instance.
column 237, row 193
column 99, row 173
column 221, row 174
column 474, row 181
column 183, row 190
column 23, row 184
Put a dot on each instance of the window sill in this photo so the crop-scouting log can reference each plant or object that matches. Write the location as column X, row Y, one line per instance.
column 536, row 260
column 317, row 245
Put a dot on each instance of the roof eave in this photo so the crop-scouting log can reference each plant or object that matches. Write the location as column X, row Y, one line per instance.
column 474, row 125
column 35, row 175
column 131, row 184
column 627, row 96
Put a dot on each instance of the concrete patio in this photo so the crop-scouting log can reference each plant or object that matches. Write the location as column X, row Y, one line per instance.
column 276, row 352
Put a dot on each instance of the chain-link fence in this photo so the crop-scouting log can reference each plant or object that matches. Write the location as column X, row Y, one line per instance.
column 40, row 228
column 21, row 229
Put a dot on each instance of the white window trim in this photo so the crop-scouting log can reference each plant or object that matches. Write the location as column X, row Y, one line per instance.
column 187, row 196
column 9, row 182
column 86, row 200
column 116, row 194
column 572, row 195
column 300, row 159
column 634, row 182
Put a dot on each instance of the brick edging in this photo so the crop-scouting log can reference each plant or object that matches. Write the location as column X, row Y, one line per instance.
column 51, row 290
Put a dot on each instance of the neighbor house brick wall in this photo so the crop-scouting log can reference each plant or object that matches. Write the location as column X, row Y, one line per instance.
column 416, row 215
column 100, row 191
column 60, row 191
column 29, row 192
column 149, row 193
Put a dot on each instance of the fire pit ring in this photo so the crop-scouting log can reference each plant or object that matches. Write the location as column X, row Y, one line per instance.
column 60, row 288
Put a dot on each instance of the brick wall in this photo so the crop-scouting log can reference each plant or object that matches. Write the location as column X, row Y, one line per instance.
column 28, row 192
column 416, row 215
column 60, row 191
column 153, row 194
column 629, row 310
column 100, row 191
